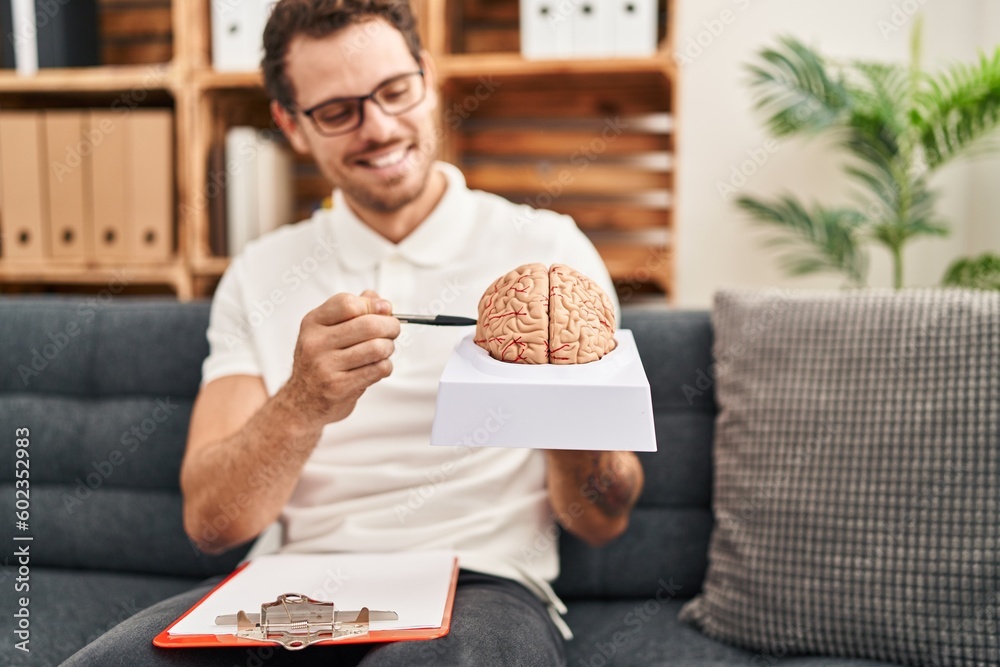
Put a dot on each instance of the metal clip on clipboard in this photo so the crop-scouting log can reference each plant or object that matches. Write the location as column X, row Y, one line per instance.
column 296, row 621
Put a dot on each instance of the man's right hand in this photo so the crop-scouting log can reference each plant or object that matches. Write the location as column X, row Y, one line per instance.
column 343, row 348
column 245, row 452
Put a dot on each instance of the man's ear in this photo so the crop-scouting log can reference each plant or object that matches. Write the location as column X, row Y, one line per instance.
column 289, row 127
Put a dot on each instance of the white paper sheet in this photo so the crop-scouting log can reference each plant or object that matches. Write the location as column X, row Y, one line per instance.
column 415, row 585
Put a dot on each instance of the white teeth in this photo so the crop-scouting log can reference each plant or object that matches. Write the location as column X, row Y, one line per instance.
column 388, row 160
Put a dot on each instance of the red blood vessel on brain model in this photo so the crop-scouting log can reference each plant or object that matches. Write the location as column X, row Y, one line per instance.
column 539, row 315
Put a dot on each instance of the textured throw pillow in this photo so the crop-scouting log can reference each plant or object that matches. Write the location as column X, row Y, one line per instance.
column 857, row 476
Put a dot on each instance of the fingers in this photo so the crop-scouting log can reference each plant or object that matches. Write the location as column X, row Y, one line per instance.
column 351, row 384
column 379, row 370
column 343, row 307
column 365, row 353
column 343, row 348
column 343, row 340
column 360, row 329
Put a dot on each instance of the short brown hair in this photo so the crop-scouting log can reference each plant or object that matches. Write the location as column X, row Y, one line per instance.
column 317, row 19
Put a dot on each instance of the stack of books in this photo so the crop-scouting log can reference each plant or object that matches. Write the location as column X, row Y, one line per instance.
column 253, row 176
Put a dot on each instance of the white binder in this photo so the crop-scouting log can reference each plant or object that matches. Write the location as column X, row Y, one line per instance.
column 260, row 188
column 25, row 36
column 237, row 34
column 264, row 9
column 275, row 185
column 593, row 25
column 241, row 198
column 547, row 28
column 635, row 27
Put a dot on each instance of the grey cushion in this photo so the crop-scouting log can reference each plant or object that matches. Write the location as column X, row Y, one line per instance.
column 857, row 461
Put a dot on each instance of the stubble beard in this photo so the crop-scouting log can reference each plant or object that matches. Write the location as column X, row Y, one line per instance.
column 388, row 197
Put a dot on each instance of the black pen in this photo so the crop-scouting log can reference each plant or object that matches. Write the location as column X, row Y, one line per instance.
column 437, row 320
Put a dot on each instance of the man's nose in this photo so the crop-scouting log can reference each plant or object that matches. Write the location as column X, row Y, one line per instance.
column 378, row 125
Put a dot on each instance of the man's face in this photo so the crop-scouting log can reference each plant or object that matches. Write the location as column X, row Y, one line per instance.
column 384, row 164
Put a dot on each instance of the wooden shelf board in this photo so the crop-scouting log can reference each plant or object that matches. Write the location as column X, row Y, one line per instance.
column 474, row 65
column 90, row 79
column 212, row 80
column 209, row 266
column 638, row 263
column 81, row 273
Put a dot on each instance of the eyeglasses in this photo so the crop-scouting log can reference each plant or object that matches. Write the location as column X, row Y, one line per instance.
column 346, row 114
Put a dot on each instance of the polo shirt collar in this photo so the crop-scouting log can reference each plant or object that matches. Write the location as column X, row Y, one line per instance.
column 435, row 241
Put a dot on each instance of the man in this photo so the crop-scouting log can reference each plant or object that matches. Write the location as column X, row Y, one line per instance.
column 316, row 404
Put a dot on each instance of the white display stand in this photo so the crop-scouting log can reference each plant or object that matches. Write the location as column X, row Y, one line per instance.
column 602, row 405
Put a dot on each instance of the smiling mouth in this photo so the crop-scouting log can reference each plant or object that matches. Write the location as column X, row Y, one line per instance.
column 386, row 160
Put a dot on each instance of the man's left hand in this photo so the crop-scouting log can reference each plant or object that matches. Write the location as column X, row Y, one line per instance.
column 593, row 493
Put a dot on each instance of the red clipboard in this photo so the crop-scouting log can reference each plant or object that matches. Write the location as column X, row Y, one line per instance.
column 166, row 640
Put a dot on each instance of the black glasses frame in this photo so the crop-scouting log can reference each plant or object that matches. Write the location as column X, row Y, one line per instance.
column 360, row 100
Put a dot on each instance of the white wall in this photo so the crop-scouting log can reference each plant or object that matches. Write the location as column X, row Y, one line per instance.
column 985, row 195
column 718, row 130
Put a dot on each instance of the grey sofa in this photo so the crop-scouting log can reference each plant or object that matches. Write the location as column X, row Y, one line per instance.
column 105, row 390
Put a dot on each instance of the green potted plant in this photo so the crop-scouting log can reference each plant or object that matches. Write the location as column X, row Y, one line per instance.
column 899, row 124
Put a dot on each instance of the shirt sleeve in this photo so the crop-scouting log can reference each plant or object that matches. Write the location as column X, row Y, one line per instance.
column 231, row 349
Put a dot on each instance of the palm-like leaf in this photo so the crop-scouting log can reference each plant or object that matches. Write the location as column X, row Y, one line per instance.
column 880, row 96
column 882, row 141
column 822, row 239
column 921, row 219
column 959, row 108
column 897, row 123
column 794, row 88
column 983, row 272
column 877, row 130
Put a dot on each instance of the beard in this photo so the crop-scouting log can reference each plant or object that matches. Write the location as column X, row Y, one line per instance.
column 390, row 195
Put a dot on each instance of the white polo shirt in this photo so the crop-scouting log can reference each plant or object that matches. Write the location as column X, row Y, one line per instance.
column 374, row 483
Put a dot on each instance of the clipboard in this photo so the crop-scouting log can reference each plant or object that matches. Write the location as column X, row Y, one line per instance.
column 166, row 640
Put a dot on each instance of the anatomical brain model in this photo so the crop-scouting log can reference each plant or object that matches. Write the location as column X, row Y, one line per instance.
column 539, row 315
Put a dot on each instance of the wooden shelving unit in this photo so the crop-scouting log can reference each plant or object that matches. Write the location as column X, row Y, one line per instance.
column 622, row 198
column 473, row 65
column 147, row 65
column 91, row 79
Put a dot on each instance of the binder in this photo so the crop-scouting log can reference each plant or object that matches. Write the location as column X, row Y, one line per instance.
column 275, row 184
column 388, row 579
column 231, row 35
column 260, row 188
column 47, row 33
column 546, row 29
column 67, row 33
column 108, row 182
column 635, row 25
column 150, row 199
column 238, row 34
column 24, row 184
column 24, row 36
column 68, row 165
column 592, row 29
column 216, row 191
column 7, row 60
column 241, row 199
